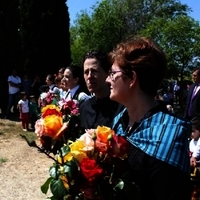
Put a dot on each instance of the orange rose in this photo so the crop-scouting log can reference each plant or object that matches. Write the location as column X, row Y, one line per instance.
column 51, row 110
column 103, row 132
column 52, row 124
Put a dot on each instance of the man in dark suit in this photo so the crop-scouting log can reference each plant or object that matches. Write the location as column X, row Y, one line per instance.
column 192, row 107
column 99, row 109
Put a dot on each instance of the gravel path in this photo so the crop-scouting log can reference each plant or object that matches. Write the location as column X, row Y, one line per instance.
column 24, row 172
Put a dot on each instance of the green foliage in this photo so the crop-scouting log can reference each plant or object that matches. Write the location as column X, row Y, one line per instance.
column 130, row 188
column 57, row 188
column 2, row 160
column 179, row 37
column 114, row 20
column 45, row 186
column 53, row 171
column 65, row 150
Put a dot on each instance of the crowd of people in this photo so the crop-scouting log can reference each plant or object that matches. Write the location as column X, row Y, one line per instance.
column 120, row 90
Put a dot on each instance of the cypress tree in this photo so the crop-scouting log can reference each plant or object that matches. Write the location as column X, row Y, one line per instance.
column 45, row 35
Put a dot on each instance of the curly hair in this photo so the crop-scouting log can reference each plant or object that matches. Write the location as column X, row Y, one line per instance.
column 143, row 56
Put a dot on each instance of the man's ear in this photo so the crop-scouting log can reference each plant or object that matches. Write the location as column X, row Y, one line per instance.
column 76, row 80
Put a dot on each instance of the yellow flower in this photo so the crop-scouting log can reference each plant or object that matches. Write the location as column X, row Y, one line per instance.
column 77, row 145
column 67, row 157
column 103, row 132
column 77, row 150
column 79, row 155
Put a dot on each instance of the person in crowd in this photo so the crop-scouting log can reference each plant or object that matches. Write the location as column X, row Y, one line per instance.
column 61, row 72
column 168, row 97
column 176, row 90
column 57, row 88
column 158, row 156
column 48, row 87
column 37, row 83
column 195, row 142
column 194, row 148
column 14, row 85
column 23, row 105
column 26, row 84
column 50, row 81
column 63, row 89
column 192, row 106
column 34, row 111
column 100, row 109
column 73, row 80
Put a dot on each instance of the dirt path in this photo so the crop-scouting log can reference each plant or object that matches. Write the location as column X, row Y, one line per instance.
column 24, row 172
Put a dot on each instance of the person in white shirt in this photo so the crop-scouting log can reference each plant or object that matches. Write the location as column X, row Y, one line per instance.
column 23, row 105
column 14, row 84
column 74, row 81
column 194, row 145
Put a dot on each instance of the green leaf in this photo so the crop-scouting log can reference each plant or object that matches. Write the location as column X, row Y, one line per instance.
column 52, row 198
column 128, row 188
column 58, row 189
column 45, row 186
column 54, row 172
column 71, row 169
column 65, row 150
column 120, row 185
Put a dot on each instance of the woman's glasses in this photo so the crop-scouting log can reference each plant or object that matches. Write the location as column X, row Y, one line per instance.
column 112, row 73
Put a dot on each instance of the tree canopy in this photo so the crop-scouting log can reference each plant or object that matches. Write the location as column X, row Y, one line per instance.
column 166, row 21
column 180, row 39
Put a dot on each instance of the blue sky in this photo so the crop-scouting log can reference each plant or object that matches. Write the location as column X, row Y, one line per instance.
column 75, row 6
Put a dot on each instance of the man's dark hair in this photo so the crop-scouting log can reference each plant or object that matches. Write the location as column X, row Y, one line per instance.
column 101, row 56
column 196, row 69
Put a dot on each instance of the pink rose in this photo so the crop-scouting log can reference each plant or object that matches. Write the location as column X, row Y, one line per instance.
column 39, row 127
column 87, row 138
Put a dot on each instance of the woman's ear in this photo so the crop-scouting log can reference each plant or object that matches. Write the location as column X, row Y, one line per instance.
column 133, row 79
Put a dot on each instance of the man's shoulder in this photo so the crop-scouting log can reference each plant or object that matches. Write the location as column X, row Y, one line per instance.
column 87, row 102
column 11, row 77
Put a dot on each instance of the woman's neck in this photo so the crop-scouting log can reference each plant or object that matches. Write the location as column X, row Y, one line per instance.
column 139, row 107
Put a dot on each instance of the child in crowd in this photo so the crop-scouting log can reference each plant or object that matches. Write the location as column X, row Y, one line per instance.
column 57, row 88
column 195, row 142
column 23, row 105
column 34, row 114
column 195, row 157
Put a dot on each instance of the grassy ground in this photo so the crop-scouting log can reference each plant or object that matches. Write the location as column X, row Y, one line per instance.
column 23, row 168
column 12, row 129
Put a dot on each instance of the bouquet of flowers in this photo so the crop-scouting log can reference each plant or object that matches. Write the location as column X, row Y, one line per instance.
column 91, row 167
column 57, row 124
column 48, row 98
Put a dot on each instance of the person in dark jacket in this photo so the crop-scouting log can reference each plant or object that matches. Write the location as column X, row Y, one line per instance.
column 158, row 158
column 99, row 109
column 192, row 106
